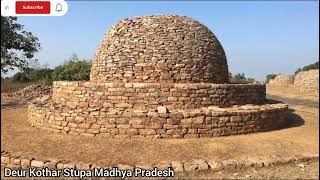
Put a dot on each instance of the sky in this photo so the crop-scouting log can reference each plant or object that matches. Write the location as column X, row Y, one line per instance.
column 259, row 37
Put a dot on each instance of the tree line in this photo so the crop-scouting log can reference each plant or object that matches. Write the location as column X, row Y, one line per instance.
column 72, row 70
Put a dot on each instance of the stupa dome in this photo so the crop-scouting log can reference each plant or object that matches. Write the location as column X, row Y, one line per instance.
column 160, row 48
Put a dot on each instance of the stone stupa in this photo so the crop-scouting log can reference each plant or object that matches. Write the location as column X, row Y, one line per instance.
column 162, row 76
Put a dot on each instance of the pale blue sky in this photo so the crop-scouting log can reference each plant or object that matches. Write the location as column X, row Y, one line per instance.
column 258, row 37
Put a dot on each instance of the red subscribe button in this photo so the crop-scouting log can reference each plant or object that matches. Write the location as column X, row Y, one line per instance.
column 32, row 7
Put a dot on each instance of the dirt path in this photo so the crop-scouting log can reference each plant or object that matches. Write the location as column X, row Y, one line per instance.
column 291, row 93
column 292, row 101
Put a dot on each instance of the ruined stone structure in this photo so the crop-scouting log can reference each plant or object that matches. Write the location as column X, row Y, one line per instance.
column 307, row 80
column 282, row 80
column 161, row 76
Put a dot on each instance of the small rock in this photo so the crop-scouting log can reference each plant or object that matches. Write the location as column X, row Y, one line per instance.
column 163, row 165
column 37, row 164
column 216, row 165
column 83, row 166
column 229, row 164
column 162, row 109
column 202, row 165
column 125, row 166
column 177, row 166
column 51, row 164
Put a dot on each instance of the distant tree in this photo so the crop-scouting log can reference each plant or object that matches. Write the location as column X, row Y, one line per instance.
column 240, row 78
column 269, row 77
column 308, row 67
column 19, row 77
column 17, row 45
column 72, row 70
column 41, row 75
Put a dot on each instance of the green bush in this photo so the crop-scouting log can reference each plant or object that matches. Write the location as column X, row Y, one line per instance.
column 41, row 76
column 269, row 77
column 72, row 71
column 308, row 67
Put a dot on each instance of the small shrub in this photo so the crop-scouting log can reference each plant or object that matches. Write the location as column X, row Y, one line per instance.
column 269, row 77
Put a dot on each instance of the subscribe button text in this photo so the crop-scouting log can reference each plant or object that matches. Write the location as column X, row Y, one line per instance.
column 33, row 7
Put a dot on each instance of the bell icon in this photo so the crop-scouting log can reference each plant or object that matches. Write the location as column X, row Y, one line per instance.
column 58, row 7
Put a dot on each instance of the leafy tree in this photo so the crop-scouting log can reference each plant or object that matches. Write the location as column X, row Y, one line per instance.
column 308, row 67
column 17, row 45
column 19, row 77
column 269, row 77
column 41, row 75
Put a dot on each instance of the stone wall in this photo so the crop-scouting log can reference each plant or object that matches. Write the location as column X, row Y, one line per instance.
column 160, row 48
column 15, row 161
column 307, row 79
column 160, row 122
column 151, row 95
column 282, row 80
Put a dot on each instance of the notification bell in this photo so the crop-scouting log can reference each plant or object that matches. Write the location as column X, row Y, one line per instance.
column 58, row 7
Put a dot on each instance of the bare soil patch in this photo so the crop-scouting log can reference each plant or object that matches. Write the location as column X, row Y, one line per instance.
column 306, row 170
column 291, row 93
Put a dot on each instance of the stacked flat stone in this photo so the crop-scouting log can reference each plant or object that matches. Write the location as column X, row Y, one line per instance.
column 282, row 80
column 162, row 49
column 161, row 76
column 307, row 80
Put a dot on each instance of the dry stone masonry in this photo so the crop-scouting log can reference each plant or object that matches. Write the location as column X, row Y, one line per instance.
column 161, row 76
column 282, row 80
column 307, row 79
column 160, row 49
column 12, row 161
column 304, row 81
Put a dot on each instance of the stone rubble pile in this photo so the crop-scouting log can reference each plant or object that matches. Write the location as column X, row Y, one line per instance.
column 32, row 92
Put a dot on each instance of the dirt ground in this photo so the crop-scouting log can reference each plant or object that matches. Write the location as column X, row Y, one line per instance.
column 17, row 136
column 306, row 170
column 291, row 93
column 300, row 138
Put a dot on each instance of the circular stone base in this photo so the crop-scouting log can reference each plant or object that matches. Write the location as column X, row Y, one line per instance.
column 159, row 123
column 76, row 94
